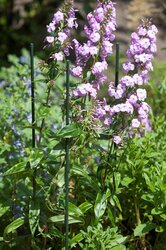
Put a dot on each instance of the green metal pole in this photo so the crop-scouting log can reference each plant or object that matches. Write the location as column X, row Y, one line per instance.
column 33, row 110
column 117, row 65
column 67, row 163
column 32, row 92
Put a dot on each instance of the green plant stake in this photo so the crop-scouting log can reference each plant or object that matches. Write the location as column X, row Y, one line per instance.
column 67, row 160
column 117, row 65
column 32, row 92
column 33, row 109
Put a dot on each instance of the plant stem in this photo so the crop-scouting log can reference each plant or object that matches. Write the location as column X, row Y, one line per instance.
column 43, row 120
column 137, row 212
column 138, row 219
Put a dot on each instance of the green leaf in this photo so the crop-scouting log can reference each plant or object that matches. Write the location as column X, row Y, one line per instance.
column 143, row 228
column 111, row 217
column 3, row 209
column 119, row 247
column 74, row 210
column 35, row 158
column 34, row 211
column 69, row 131
column 60, row 219
column 80, row 171
column 85, row 206
column 13, row 226
column 148, row 197
column 76, row 239
column 163, row 216
column 117, row 202
column 126, row 181
column 59, row 179
column 159, row 229
column 18, row 168
column 156, row 211
column 101, row 204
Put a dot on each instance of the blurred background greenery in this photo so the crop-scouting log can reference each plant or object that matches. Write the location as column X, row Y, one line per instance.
column 24, row 21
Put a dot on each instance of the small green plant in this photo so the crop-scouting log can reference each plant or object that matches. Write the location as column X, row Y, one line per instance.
column 100, row 239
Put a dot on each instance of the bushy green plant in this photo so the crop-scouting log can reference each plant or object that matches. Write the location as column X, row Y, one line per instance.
column 126, row 190
column 99, row 239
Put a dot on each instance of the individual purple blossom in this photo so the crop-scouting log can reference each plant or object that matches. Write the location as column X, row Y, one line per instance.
column 133, row 99
column 135, row 123
column 117, row 139
column 127, row 81
column 62, row 36
column 99, row 67
column 58, row 56
column 138, row 80
column 58, row 16
column 50, row 39
column 100, row 14
column 94, row 37
column 143, row 112
column 71, row 22
column 128, row 66
column 147, row 124
column 76, row 71
column 51, row 27
column 144, row 75
column 117, row 92
column 93, row 50
column 141, row 94
column 106, row 49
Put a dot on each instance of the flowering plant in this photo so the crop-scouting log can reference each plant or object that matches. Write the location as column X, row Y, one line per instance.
column 116, row 195
column 126, row 111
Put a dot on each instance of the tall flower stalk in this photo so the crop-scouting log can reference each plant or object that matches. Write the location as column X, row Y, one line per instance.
column 59, row 30
column 91, row 57
column 127, row 112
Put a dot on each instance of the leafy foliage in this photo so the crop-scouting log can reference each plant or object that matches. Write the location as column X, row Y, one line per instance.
column 117, row 195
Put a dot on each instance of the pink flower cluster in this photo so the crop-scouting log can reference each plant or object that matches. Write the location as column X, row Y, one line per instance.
column 128, row 94
column 93, row 53
column 142, row 48
column 60, row 29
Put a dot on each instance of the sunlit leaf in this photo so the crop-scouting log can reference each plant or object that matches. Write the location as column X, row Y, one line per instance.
column 34, row 211
column 143, row 228
column 13, row 226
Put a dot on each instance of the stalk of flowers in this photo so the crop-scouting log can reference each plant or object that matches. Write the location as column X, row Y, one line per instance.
column 129, row 93
column 91, row 56
column 59, row 30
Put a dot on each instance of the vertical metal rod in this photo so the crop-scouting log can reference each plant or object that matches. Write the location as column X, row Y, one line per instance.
column 32, row 92
column 33, row 110
column 67, row 163
column 117, row 65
